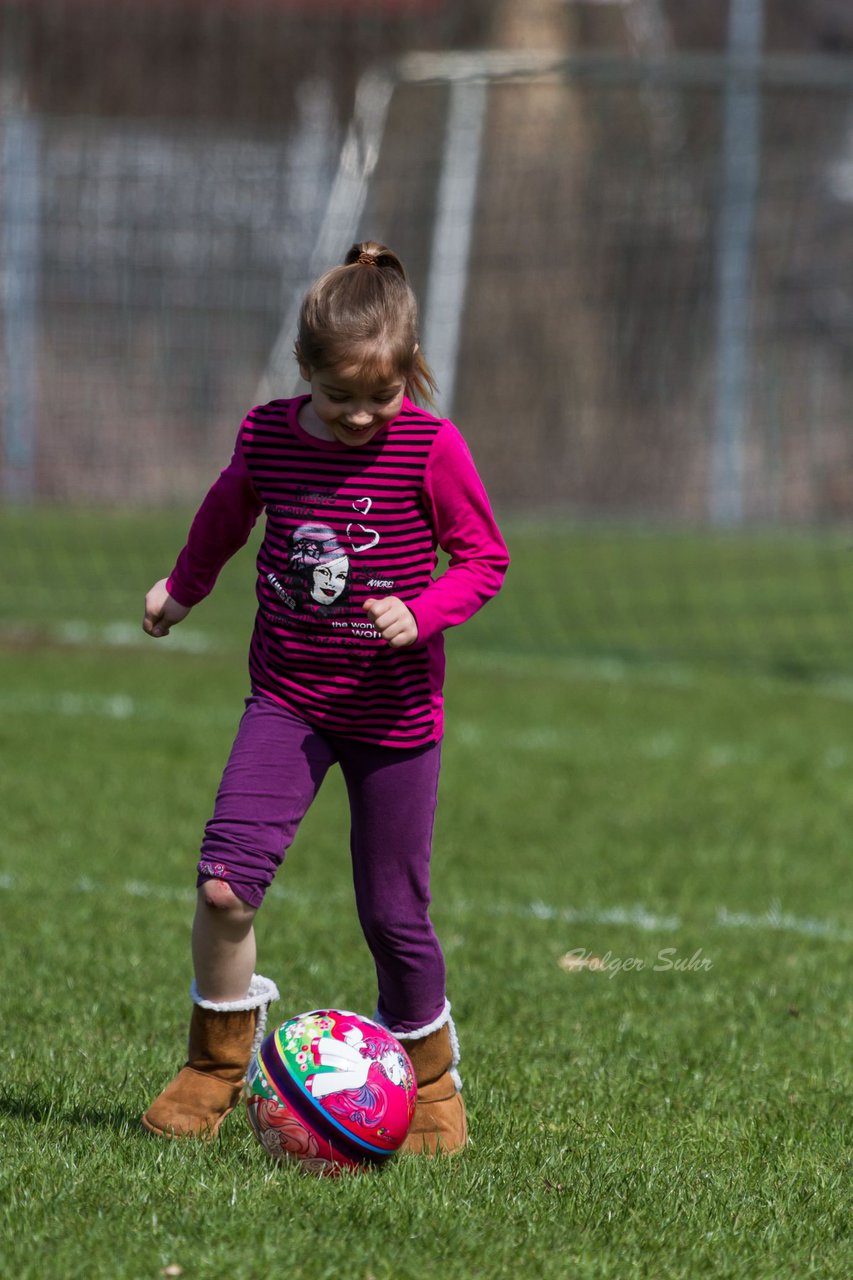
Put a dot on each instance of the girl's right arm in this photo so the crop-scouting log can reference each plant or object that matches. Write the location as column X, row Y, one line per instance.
column 220, row 528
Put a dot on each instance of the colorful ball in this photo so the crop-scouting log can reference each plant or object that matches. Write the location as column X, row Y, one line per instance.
column 331, row 1090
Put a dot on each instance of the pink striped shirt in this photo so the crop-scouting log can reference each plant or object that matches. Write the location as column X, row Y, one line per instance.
column 344, row 524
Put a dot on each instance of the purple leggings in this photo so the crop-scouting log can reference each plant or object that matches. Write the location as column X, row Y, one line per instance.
column 275, row 770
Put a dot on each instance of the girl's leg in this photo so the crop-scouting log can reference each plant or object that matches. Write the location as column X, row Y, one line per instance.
column 273, row 774
column 275, row 769
column 393, row 796
column 223, row 943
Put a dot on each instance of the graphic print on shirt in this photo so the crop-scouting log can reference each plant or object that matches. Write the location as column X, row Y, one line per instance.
column 319, row 565
column 323, row 573
column 319, row 579
column 315, row 580
column 361, row 538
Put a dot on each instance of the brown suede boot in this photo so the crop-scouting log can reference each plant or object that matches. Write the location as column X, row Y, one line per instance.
column 439, row 1126
column 223, row 1038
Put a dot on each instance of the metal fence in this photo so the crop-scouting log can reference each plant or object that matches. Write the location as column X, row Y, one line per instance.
column 632, row 262
column 633, row 312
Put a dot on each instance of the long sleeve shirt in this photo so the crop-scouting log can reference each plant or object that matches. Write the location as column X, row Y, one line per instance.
column 345, row 524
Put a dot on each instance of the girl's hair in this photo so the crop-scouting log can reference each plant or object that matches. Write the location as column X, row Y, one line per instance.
column 364, row 314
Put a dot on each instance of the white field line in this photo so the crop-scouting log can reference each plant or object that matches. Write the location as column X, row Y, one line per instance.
column 636, row 915
column 773, row 920
column 657, row 746
column 606, row 669
column 67, row 704
column 779, row 921
column 839, row 687
column 186, row 639
column 127, row 635
column 121, row 706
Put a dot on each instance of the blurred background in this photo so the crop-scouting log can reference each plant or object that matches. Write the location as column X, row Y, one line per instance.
column 629, row 225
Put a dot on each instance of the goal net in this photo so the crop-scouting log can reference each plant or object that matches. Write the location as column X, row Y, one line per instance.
column 633, row 294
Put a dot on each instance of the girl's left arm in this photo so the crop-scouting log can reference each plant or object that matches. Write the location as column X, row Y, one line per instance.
column 466, row 529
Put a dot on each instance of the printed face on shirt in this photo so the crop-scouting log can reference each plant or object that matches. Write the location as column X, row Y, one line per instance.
column 329, row 580
column 347, row 406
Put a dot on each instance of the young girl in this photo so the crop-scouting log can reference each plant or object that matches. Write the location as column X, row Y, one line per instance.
column 359, row 486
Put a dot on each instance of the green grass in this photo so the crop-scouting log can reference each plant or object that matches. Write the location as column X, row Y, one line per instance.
column 773, row 600
column 616, row 796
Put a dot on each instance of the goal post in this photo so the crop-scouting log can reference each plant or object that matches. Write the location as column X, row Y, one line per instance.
column 716, row 284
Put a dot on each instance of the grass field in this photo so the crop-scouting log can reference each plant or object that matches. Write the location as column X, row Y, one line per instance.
column 673, row 801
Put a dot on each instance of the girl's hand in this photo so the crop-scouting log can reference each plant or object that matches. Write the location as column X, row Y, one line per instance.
column 161, row 611
column 393, row 619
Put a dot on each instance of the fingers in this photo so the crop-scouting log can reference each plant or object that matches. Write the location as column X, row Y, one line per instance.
column 393, row 619
column 161, row 611
column 152, row 621
column 154, row 625
column 376, row 608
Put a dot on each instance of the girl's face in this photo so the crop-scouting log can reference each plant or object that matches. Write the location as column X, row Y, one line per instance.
column 329, row 580
column 348, row 407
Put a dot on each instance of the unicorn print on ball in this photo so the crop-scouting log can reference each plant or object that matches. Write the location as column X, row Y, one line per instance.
column 345, row 1064
column 353, row 1068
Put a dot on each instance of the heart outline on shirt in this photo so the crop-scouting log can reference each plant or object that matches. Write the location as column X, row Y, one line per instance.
column 362, row 532
column 362, row 505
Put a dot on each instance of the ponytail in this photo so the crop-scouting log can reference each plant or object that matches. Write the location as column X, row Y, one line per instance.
column 371, row 254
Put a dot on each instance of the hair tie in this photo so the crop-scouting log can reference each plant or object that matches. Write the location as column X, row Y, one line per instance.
column 366, row 259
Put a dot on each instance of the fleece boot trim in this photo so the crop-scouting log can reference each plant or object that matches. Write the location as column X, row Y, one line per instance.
column 439, row 1125
column 223, row 1037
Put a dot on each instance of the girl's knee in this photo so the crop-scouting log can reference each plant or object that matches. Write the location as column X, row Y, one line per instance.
column 218, row 896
